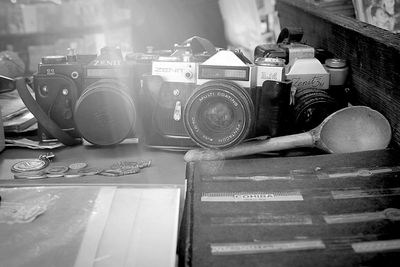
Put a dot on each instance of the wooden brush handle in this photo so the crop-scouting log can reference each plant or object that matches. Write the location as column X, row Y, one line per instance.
column 273, row 144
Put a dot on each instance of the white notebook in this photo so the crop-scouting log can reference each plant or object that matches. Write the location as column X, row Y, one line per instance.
column 132, row 227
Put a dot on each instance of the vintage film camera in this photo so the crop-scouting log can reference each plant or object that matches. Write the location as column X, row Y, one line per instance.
column 310, row 81
column 229, row 106
column 166, row 90
column 88, row 96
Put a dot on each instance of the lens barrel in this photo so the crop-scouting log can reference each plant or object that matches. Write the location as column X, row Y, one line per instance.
column 105, row 113
column 219, row 114
column 311, row 107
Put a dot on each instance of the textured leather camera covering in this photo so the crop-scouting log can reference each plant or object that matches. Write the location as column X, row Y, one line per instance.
column 41, row 116
column 209, row 223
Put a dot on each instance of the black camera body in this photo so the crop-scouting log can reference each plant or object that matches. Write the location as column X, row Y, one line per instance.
column 228, row 107
column 88, row 96
column 165, row 92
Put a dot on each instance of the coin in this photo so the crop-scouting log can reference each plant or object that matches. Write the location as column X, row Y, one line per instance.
column 57, row 169
column 72, row 175
column 30, row 175
column 127, row 171
column 29, row 165
column 144, row 164
column 112, row 173
column 78, row 165
column 54, row 175
column 89, row 171
column 124, row 164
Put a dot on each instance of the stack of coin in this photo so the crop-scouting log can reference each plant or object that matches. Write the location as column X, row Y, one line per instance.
column 32, row 169
column 29, row 165
column 30, row 175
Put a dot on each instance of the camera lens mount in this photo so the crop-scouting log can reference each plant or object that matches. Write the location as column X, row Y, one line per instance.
column 219, row 114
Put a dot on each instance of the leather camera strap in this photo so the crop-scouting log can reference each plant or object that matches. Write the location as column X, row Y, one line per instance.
column 41, row 116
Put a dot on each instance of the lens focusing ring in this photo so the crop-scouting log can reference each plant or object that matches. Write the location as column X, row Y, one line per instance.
column 219, row 114
column 311, row 107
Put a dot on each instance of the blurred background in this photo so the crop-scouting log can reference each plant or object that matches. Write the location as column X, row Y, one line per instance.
column 36, row 28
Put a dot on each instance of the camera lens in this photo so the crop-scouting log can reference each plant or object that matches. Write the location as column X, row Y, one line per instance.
column 311, row 107
column 105, row 113
column 219, row 114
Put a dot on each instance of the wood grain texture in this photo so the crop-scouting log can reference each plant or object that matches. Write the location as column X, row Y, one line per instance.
column 373, row 55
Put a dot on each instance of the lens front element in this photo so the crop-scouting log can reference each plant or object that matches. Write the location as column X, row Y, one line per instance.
column 219, row 114
column 105, row 114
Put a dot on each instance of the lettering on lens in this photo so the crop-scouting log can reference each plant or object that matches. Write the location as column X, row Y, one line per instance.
column 229, row 97
column 194, row 124
column 205, row 137
column 210, row 94
column 232, row 135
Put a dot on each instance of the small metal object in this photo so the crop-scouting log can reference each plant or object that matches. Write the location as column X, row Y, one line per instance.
column 72, row 175
column 338, row 70
column 89, row 171
column 127, row 167
column 44, row 90
column 178, row 111
column 30, row 175
column 65, row 91
column 78, row 165
column 124, row 164
column 54, row 175
column 107, row 173
column 29, row 165
column 144, row 164
column 270, row 62
column 131, row 171
column 114, row 171
column 74, row 75
column 57, row 169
